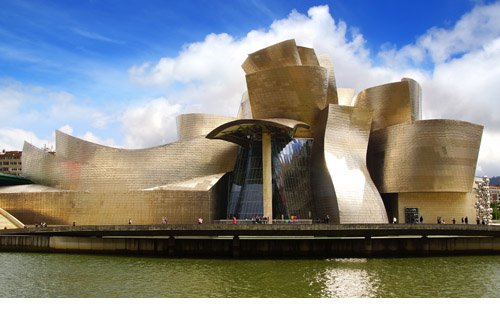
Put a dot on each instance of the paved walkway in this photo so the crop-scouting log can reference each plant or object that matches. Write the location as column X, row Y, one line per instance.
column 285, row 230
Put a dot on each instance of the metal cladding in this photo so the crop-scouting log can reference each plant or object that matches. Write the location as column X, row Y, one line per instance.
column 425, row 156
column 81, row 165
column 190, row 126
column 345, row 96
column 276, row 93
column 287, row 81
column 393, row 103
column 278, row 55
column 356, row 159
column 345, row 143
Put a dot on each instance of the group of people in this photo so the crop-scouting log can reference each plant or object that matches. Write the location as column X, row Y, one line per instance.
column 42, row 224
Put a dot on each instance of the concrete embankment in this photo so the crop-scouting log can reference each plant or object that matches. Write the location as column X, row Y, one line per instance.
column 258, row 241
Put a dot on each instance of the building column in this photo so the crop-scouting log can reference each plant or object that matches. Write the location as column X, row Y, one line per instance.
column 267, row 177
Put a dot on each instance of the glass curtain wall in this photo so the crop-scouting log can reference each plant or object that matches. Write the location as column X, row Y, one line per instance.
column 291, row 186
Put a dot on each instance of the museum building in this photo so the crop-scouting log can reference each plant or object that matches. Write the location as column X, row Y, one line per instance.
column 299, row 146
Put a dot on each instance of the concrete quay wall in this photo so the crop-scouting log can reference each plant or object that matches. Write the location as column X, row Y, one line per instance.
column 256, row 247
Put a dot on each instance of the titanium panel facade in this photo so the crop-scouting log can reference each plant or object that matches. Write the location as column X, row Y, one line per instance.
column 425, row 156
column 345, row 95
column 345, row 144
column 277, row 93
column 245, row 110
column 190, row 126
column 332, row 97
column 277, row 55
column 324, row 142
column 392, row 103
column 84, row 166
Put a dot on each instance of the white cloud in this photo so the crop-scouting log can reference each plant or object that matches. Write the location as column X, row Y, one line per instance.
column 489, row 154
column 462, row 85
column 151, row 124
column 10, row 101
column 66, row 129
column 470, row 33
column 13, row 139
column 89, row 136
column 461, row 82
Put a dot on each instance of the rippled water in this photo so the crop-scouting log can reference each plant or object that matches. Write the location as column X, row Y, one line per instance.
column 69, row 275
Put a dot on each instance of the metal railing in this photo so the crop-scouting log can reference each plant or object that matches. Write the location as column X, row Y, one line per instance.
column 265, row 222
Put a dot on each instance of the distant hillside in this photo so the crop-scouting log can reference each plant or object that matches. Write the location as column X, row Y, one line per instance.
column 495, row 181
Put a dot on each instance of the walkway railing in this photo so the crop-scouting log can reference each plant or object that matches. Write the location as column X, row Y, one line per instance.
column 266, row 222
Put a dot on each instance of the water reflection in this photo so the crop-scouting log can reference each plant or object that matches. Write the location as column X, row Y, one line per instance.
column 65, row 275
column 342, row 280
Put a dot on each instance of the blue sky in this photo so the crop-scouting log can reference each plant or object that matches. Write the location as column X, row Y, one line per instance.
column 118, row 72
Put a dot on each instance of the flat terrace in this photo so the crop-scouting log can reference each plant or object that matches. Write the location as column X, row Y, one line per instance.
column 257, row 230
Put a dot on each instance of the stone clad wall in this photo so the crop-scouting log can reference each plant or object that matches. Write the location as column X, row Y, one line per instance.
column 114, row 208
column 444, row 204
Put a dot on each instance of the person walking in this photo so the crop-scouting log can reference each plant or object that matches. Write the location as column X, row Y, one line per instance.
column 421, row 220
column 453, row 221
column 462, row 220
column 200, row 220
column 130, row 221
column 466, row 220
column 234, row 220
column 394, row 220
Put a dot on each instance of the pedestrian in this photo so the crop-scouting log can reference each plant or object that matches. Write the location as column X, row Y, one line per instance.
column 394, row 220
column 453, row 220
column 462, row 220
column 327, row 219
column 130, row 221
column 74, row 223
column 234, row 220
column 466, row 220
column 421, row 220
column 163, row 220
column 477, row 221
column 482, row 222
column 200, row 220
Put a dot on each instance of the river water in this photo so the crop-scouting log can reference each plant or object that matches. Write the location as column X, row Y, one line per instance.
column 77, row 275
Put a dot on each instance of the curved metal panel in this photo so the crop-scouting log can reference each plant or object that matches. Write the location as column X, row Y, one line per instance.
column 190, row 126
column 345, row 173
column 392, row 103
column 293, row 92
column 245, row 110
column 345, row 96
column 326, row 62
column 85, row 166
column 425, row 156
column 307, row 56
column 277, row 55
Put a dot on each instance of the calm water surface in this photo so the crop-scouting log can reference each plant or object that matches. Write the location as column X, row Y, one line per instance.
column 70, row 275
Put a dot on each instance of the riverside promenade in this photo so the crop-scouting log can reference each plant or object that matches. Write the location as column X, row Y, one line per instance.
column 256, row 240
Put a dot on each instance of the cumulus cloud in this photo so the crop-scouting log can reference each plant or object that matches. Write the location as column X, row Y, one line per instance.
column 151, row 124
column 470, row 33
column 461, row 83
column 13, row 139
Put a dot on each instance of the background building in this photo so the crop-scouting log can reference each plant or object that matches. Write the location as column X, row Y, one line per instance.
column 11, row 162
